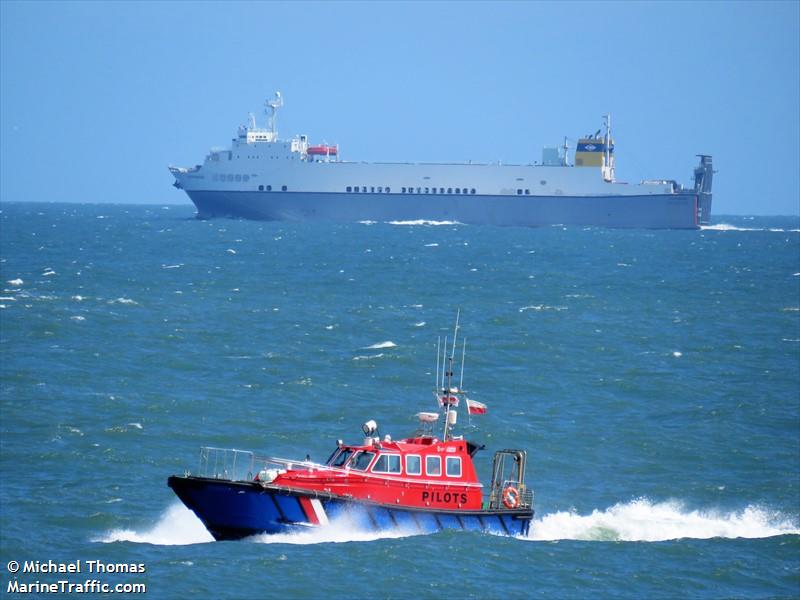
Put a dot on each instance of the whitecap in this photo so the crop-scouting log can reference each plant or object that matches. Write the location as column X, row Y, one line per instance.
column 420, row 324
column 16, row 282
column 368, row 357
column 7, row 299
column 538, row 307
column 78, row 298
column 178, row 266
column 424, row 222
column 677, row 354
column 78, row 318
column 727, row 227
column 231, row 251
column 122, row 300
column 368, row 222
column 433, row 245
column 380, row 345
column 136, row 425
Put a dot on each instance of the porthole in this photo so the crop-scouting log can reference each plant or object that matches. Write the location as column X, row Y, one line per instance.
column 261, row 188
column 449, row 190
column 269, row 188
column 543, row 182
column 388, row 190
column 349, row 188
column 283, row 188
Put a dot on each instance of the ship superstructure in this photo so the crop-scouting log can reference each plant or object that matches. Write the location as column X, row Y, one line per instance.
column 263, row 177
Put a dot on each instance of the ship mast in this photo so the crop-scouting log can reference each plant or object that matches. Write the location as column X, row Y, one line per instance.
column 448, row 390
column 271, row 109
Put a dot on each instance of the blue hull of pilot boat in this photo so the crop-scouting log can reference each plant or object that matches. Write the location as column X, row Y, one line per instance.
column 232, row 510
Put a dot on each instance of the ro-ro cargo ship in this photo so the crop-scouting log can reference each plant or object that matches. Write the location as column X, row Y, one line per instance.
column 264, row 177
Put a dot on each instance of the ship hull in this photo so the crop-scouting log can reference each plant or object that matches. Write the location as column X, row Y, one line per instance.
column 232, row 510
column 654, row 211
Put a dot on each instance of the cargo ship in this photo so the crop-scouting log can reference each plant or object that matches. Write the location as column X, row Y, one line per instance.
column 261, row 176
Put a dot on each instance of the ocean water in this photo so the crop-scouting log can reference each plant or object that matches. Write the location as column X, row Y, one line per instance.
column 653, row 377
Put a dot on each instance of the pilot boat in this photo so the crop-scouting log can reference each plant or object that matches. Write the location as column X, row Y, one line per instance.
column 420, row 484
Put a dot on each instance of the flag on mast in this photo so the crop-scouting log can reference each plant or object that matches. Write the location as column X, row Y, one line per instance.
column 476, row 408
column 448, row 399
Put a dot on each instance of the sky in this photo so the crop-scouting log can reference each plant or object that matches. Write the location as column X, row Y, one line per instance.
column 98, row 98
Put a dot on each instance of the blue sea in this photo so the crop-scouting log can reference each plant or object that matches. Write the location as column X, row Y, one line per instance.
column 652, row 376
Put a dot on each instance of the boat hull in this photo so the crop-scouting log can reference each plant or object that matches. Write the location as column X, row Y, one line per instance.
column 232, row 510
column 655, row 211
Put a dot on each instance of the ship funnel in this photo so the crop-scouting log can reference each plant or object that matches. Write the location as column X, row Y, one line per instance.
column 703, row 178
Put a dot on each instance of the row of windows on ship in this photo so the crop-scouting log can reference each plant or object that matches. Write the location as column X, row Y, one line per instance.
column 390, row 463
column 387, row 190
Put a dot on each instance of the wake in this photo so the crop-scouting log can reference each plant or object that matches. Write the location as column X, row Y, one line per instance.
column 640, row 520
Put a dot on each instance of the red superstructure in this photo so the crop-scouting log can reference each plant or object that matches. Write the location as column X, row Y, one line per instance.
column 422, row 472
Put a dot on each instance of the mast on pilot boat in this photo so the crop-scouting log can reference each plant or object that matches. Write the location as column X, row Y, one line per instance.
column 448, row 392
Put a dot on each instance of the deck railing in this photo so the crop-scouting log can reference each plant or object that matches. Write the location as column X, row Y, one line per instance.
column 243, row 465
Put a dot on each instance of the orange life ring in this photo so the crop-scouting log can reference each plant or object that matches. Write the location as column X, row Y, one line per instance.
column 510, row 497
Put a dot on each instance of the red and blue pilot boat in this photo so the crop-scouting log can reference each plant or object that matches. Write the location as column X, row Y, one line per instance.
column 421, row 484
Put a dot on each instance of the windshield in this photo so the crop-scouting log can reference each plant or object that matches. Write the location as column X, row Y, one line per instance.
column 361, row 461
column 337, row 460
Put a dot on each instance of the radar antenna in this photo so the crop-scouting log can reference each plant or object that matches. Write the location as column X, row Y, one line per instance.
column 271, row 109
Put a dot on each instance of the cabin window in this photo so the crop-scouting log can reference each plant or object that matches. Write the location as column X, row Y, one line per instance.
column 387, row 463
column 238, row 177
column 413, row 465
column 404, row 190
column 339, row 459
column 269, row 188
column 261, row 188
column 283, row 188
column 361, row 461
column 472, row 191
column 441, row 190
column 245, row 177
column 449, row 190
column 349, row 188
column 372, row 189
column 433, row 465
column 380, row 189
column 388, row 190
column 453, row 466
column 527, row 192
column 519, row 191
